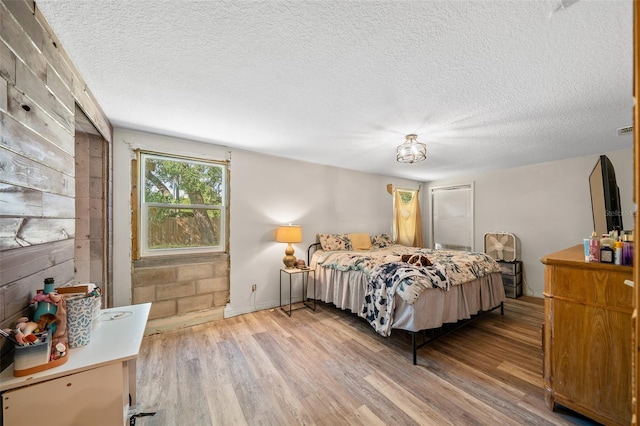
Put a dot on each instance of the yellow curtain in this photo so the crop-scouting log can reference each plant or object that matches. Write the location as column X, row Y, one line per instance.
column 407, row 221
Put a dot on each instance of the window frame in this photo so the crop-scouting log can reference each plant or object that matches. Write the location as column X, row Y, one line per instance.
column 143, row 207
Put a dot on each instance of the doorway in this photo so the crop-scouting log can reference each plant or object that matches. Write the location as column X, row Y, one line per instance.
column 93, row 242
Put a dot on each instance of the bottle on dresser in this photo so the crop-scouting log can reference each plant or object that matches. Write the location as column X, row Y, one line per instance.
column 594, row 248
column 618, row 253
column 607, row 245
column 627, row 248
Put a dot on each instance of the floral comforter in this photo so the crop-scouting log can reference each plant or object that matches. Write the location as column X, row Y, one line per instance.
column 459, row 266
column 388, row 276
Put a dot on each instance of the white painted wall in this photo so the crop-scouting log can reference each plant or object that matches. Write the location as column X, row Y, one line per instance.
column 265, row 192
column 547, row 206
column 269, row 191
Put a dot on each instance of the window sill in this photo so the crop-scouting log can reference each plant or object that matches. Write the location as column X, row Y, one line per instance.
column 181, row 259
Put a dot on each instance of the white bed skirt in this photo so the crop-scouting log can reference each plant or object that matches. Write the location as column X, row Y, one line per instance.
column 434, row 307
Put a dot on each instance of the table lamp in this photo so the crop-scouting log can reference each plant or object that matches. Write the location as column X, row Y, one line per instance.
column 289, row 234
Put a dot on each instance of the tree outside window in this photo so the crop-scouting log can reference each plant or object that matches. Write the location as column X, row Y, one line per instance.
column 182, row 205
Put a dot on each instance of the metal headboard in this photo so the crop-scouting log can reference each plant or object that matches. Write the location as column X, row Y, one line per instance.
column 312, row 248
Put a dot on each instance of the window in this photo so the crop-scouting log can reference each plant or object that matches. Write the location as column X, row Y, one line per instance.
column 182, row 205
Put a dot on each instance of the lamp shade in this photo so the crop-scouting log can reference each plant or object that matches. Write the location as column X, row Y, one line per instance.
column 289, row 234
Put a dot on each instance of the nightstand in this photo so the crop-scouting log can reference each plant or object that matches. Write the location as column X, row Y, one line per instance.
column 306, row 275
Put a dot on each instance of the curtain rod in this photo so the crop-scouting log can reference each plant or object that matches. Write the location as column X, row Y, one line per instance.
column 390, row 188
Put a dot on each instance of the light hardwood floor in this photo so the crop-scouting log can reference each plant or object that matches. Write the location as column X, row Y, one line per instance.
column 330, row 368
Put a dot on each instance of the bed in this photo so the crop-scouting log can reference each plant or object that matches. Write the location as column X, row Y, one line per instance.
column 407, row 288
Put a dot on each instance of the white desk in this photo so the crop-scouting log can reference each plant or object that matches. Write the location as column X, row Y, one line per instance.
column 92, row 387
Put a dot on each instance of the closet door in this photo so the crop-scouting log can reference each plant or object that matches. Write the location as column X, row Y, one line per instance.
column 452, row 217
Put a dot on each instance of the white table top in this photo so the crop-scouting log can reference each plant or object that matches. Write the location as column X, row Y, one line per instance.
column 297, row 270
column 116, row 339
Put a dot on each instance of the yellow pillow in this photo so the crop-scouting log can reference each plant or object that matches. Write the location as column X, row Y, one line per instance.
column 360, row 241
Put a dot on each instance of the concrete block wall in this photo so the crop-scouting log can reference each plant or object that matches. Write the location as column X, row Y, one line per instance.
column 177, row 287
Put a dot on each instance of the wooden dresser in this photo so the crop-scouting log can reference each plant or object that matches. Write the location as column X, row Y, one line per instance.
column 587, row 336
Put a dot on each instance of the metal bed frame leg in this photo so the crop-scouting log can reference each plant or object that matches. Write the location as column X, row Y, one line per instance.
column 444, row 330
column 415, row 349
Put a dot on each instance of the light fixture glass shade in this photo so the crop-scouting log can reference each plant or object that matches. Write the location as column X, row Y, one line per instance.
column 289, row 234
column 411, row 151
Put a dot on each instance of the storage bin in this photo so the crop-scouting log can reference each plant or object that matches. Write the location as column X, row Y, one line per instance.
column 80, row 320
column 88, row 290
column 513, row 292
column 27, row 357
column 510, row 268
column 511, row 280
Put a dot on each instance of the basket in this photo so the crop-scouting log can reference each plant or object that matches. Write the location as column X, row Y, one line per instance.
column 80, row 320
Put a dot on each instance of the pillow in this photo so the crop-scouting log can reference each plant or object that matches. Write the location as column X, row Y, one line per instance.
column 382, row 241
column 360, row 241
column 416, row 259
column 331, row 242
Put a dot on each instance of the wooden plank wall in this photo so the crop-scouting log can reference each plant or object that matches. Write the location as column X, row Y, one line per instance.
column 40, row 90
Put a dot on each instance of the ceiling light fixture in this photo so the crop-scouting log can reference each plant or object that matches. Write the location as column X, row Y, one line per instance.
column 411, row 151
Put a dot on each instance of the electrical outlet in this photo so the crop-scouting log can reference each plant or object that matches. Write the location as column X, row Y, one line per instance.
column 254, row 287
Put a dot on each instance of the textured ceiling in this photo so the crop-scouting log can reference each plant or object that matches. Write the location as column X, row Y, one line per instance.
column 485, row 84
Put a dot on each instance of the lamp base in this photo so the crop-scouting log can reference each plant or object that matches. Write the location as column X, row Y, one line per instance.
column 289, row 262
column 289, row 259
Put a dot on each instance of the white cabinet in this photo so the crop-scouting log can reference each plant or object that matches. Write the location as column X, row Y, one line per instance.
column 92, row 388
column 92, row 397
